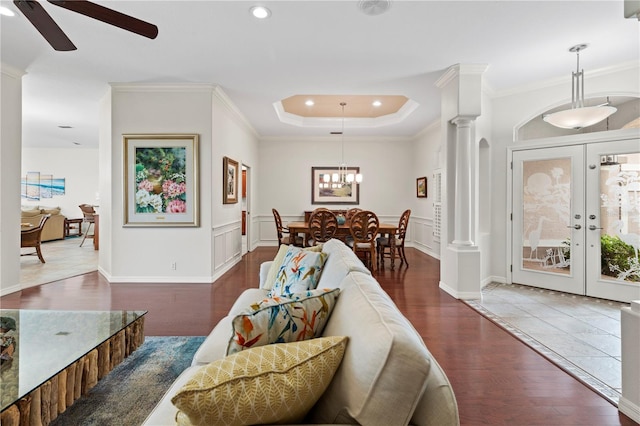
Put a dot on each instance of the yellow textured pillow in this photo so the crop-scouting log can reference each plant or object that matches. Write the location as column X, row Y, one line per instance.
column 277, row 263
column 276, row 383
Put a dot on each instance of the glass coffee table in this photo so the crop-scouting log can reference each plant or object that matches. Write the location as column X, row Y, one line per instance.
column 51, row 358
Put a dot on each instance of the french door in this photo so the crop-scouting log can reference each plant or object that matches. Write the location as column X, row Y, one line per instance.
column 576, row 219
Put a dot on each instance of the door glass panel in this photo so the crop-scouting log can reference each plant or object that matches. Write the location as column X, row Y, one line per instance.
column 620, row 217
column 546, row 196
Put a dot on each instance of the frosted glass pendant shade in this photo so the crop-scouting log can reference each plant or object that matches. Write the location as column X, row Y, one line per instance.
column 577, row 118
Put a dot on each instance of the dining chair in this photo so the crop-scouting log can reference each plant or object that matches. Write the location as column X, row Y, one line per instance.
column 352, row 212
column 284, row 235
column 33, row 238
column 364, row 230
column 383, row 244
column 88, row 217
column 323, row 225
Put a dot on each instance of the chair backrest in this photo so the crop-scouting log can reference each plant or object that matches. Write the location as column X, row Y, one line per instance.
column 87, row 211
column 403, row 224
column 31, row 237
column 278, row 220
column 364, row 227
column 323, row 225
column 352, row 212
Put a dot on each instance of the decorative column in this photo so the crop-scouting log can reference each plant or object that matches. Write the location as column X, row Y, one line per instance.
column 460, row 106
column 463, row 190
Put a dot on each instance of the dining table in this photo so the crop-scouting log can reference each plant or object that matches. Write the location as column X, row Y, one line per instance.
column 384, row 229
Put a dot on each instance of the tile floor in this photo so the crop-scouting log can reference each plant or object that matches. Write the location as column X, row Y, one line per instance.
column 579, row 334
column 64, row 258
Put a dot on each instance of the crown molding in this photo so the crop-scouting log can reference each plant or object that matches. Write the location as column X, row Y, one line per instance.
column 231, row 107
column 11, row 71
column 558, row 81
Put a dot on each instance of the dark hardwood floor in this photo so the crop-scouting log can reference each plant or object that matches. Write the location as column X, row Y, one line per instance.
column 497, row 379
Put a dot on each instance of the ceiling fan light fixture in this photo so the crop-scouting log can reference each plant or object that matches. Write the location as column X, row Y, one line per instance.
column 578, row 116
column 260, row 12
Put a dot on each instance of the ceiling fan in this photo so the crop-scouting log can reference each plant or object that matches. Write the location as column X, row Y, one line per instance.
column 45, row 24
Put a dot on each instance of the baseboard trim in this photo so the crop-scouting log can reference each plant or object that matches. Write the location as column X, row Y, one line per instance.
column 629, row 409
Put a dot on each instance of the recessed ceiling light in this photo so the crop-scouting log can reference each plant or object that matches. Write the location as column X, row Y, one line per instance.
column 376, row 103
column 260, row 12
column 309, row 102
column 5, row 11
column 374, row 7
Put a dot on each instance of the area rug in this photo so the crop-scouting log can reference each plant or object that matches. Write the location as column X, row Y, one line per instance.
column 132, row 389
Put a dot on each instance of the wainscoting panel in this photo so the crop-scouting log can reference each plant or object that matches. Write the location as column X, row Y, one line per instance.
column 422, row 236
column 227, row 246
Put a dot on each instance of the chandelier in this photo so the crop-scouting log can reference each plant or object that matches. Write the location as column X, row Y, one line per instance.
column 578, row 116
column 342, row 177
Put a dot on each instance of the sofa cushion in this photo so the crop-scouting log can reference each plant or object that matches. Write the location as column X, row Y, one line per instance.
column 340, row 261
column 300, row 271
column 30, row 213
column 269, row 384
column 281, row 320
column 385, row 367
column 50, row 210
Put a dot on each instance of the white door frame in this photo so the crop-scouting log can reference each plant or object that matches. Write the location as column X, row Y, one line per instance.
column 580, row 139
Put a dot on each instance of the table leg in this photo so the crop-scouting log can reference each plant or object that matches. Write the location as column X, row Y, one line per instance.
column 392, row 248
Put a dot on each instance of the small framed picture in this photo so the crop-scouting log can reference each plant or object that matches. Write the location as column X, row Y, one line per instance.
column 230, row 181
column 421, row 187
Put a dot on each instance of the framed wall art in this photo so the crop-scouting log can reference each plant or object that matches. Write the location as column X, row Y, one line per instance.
column 325, row 191
column 161, row 180
column 421, row 187
column 230, row 181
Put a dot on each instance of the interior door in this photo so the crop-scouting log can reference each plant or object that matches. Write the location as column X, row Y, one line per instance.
column 548, row 232
column 613, row 220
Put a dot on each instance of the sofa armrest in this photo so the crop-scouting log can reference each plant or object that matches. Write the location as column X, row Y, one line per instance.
column 264, row 271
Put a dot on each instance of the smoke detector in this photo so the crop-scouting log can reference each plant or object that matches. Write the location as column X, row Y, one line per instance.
column 374, row 7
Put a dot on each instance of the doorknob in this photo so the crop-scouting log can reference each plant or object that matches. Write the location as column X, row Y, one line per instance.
column 593, row 227
column 576, row 226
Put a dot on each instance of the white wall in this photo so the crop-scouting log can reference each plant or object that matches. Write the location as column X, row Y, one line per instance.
column 10, row 143
column 145, row 254
column 79, row 167
column 388, row 186
column 426, row 158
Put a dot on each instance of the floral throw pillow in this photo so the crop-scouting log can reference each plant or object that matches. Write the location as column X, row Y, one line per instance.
column 282, row 320
column 300, row 271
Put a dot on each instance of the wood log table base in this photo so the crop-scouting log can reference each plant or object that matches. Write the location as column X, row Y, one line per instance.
column 52, row 398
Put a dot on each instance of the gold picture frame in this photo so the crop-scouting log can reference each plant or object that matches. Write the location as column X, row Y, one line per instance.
column 230, row 170
column 161, row 180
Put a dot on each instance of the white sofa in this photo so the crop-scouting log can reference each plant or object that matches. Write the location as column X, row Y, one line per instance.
column 387, row 376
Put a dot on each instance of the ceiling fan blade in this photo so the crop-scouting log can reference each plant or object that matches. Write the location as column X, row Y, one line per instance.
column 45, row 24
column 109, row 16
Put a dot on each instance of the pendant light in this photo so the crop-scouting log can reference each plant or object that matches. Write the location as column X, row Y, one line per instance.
column 578, row 116
column 342, row 177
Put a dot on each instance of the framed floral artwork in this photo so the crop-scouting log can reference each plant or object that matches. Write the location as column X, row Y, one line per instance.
column 230, row 181
column 421, row 187
column 326, row 187
column 161, row 180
